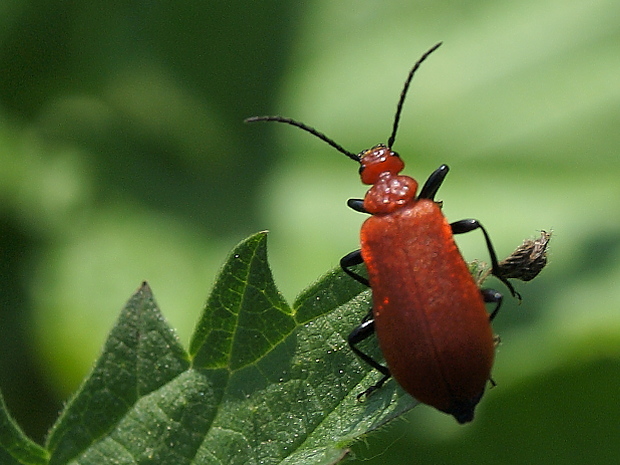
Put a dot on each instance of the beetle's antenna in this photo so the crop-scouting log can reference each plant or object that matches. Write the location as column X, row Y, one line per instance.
column 403, row 94
column 320, row 135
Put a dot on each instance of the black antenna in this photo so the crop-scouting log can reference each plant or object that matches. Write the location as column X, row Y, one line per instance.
column 403, row 94
column 320, row 135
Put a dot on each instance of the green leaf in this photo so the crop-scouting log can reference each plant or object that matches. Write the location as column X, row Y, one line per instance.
column 291, row 396
column 15, row 447
column 264, row 384
column 142, row 398
column 244, row 306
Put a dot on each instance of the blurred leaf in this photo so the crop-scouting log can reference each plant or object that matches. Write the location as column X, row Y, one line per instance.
column 15, row 447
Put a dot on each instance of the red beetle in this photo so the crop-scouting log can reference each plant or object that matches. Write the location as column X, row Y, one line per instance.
column 428, row 313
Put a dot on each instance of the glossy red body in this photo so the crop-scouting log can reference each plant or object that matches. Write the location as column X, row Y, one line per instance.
column 430, row 317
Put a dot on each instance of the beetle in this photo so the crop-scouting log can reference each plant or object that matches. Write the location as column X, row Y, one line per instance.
column 428, row 313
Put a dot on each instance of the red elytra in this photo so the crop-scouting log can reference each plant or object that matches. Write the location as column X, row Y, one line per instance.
column 428, row 313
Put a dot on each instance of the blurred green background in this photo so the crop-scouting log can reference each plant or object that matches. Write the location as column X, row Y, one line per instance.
column 123, row 157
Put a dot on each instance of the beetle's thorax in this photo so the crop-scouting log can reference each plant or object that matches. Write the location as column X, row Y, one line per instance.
column 390, row 191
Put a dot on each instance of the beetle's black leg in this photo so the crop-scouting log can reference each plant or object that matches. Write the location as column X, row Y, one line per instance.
column 352, row 259
column 357, row 205
column 433, row 183
column 361, row 332
column 464, row 226
column 492, row 296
